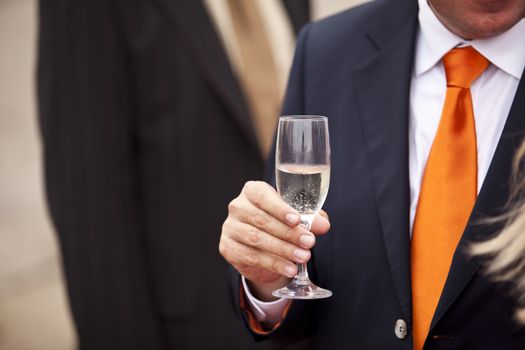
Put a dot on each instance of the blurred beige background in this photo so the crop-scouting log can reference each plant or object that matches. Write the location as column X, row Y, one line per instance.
column 34, row 314
column 33, row 307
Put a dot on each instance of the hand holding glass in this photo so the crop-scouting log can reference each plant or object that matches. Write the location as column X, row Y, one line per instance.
column 302, row 165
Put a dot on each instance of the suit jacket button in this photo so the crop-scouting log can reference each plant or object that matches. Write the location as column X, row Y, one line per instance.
column 401, row 329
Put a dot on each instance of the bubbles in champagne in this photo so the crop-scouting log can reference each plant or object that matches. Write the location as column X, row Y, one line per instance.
column 304, row 187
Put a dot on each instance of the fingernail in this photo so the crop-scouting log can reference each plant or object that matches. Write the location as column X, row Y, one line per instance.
column 324, row 215
column 293, row 219
column 300, row 254
column 289, row 271
column 307, row 240
column 325, row 218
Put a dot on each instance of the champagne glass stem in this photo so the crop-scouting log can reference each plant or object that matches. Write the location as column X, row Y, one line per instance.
column 302, row 275
column 302, row 271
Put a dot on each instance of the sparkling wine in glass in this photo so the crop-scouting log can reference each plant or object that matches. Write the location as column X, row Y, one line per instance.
column 302, row 166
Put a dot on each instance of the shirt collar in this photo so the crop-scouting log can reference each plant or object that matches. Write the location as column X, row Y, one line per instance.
column 435, row 40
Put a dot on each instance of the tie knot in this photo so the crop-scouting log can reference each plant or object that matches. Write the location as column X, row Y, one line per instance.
column 464, row 65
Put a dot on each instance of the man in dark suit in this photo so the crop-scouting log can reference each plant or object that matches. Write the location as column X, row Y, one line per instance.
column 146, row 135
column 386, row 75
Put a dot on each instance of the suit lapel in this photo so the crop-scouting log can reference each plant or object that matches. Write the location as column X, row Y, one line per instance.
column 194, row 29
column 491, row 200
column 382, row 88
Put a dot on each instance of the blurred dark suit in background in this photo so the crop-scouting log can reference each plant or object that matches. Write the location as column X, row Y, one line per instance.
column 146, row 137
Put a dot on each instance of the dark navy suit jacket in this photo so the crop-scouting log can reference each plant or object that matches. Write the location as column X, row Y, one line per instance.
column 356, row 69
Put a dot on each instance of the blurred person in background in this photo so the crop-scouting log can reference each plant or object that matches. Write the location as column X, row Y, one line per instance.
column 153, row 113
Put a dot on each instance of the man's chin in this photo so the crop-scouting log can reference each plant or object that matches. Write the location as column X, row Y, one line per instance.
column 478, row 19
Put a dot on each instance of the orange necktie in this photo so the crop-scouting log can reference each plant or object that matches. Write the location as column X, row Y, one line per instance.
column 448, row 190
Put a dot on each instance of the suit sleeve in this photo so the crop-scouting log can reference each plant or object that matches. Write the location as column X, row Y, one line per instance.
column 91, row 176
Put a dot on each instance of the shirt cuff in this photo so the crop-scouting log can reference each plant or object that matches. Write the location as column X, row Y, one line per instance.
column 263, row 317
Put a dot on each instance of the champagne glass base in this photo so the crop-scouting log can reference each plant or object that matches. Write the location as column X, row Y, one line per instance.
column 295, row 290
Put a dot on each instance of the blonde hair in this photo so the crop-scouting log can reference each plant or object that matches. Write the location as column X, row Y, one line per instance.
column 506, row 251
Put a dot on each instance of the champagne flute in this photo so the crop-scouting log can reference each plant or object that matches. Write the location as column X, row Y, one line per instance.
column 302, row 166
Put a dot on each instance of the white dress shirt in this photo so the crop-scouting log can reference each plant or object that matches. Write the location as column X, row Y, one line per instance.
column 492, row 96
